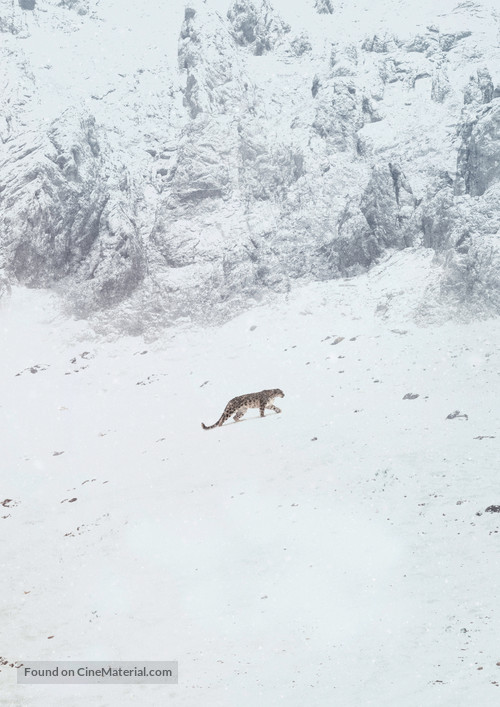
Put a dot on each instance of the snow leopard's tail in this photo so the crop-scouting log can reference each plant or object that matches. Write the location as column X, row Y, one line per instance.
column 219, row 422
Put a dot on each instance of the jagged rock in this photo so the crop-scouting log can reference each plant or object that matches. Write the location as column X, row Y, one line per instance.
column 215, row 82
column 478, row 164
column 439, row 219
column 300, row 45
column 370, row 111
column 315, row 86
column 464, row 232
column 13, row 18
column 480, row 87
column 204, row 272
column 451, row 221
column 450, row 40
column 388, row 72
column 18, row 89
column 470, row 279
column 384, row 218
column 324, row 7
column 381, row 43
column 256, row 25
column 405, row 68
column 440, row 83
column 58, row 218
column 235, row 186
column 343, row 60
column 267, row 169
column 52, row 197
column 206, row 164
column 364, row 146
column 203, row 264
column 27, row 4
column 81, row 6
column 414, row 76
column 388, row 206
column 356, row 246
column 115, row 265
column 420, row 43
column 339, row 113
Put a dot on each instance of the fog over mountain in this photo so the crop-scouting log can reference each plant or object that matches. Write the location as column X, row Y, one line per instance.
column 170, row 161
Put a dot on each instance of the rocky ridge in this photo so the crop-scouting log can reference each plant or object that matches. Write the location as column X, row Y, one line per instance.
column 270, row 154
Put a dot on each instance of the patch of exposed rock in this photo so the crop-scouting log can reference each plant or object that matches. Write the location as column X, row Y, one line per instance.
column 478, row 165
column 62, row 222
column 256, row 25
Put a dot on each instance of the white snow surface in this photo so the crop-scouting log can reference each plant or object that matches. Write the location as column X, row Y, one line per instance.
column 328, row 555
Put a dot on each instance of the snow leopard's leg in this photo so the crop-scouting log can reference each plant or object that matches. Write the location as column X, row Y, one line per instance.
column 240, row 414
column 273, row 407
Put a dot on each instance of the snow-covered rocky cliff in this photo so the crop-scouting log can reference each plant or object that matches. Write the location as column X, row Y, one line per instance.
column 169, row 160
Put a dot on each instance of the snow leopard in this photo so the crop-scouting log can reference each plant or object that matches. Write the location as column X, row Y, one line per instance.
column 239, row 405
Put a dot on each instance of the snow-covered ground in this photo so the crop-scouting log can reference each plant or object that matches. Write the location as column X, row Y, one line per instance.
column 329, row 555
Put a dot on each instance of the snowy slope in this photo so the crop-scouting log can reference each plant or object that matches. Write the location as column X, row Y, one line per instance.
column 332, row 554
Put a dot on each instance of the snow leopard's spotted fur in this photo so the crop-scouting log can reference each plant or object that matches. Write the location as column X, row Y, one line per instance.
column 238, row 406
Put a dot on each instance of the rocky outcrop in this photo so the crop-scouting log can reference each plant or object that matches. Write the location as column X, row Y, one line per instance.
column 79, row 6
column 448, row 41
column 205, row 166
column 438, row 219
column 12, row 17
column 18, row 89
column 381, row 43
column 215, row 80
column 357, row 245
column 385, row 216
column 266, row 156
column 267, row 169
column 461, row 221
column 470, row 282
column 256, row 25
column 116, row 263
column 58, row 215
column 440, row 83
column 463, row 230
column 324, row 7
column 52, row 197
column 343, row 60
column 420, row 43
column 388, row 206
column 478, row 165
column 300, row 45
column 339, row 112
column 479, row 88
